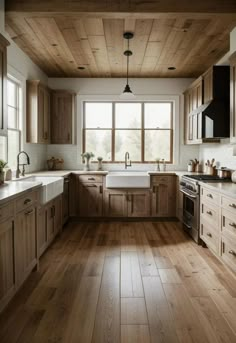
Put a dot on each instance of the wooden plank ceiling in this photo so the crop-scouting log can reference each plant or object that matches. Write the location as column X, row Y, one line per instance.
column 62, row 42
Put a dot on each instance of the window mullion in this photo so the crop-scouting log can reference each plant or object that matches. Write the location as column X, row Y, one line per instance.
column 142, row 133
column 113, row 133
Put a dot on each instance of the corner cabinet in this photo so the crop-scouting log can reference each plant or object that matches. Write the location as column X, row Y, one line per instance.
column 3, row 83
column 37, row 112
column 63, row 106
column 233, row 98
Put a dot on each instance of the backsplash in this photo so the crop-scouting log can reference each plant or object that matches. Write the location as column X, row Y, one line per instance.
column 223, row 154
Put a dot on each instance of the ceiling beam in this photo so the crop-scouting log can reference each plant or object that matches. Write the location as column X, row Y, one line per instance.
column 133, row 6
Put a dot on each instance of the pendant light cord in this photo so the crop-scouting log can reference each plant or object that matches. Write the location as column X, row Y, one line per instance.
column 127, row 78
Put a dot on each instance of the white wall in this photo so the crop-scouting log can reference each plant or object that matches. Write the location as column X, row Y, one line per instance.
column 144, row 89
column 21, row 67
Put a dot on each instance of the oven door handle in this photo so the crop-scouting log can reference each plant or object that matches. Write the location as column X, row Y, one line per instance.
column 189, row 195
column 188, row 226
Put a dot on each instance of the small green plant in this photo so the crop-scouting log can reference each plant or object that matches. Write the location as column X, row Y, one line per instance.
column 3, row 164
column 99, row 158
column 87, row 155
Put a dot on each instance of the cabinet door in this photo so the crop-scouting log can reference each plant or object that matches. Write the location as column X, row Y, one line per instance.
column 57, row 212
column 233, row 101
column 139, row 203
column 46, row 116
column 115, row 203
column 66, row 200
column 163, row 200
column 7, row 277
column 90, row 199
column 41, row 230
column 50, row 222
column 61, row 118
column 25, row 243
column 208, row 86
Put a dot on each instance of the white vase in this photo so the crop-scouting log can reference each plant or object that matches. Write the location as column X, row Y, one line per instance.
column 99, row 164
column 86, row 164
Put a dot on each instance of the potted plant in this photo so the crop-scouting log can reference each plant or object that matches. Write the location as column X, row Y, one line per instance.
column 3, row 164
column 99, row 158
column 86, row 159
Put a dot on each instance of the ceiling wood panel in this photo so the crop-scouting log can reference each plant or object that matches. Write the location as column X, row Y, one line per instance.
column 61, row 43
column 202, row 6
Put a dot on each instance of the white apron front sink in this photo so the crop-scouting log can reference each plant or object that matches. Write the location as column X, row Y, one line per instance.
column 128, row 179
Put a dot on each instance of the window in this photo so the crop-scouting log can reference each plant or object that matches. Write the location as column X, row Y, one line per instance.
column 13, row 120
column 144, row 129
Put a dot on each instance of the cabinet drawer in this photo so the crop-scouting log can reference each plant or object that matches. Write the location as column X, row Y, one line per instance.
column 229, row 204
column 162, row 179
column 6, row 211
column 90, row 178
column 228, row 252
column 210, row 236
column 26, row 201
column 228, row 222
column 210, row 196
column 210, row 214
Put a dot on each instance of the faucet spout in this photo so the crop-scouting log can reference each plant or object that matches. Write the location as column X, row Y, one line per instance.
column 126, row 160
column 18, row 172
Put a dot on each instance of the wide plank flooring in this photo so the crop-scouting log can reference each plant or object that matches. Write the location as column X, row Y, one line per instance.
column 128, row 282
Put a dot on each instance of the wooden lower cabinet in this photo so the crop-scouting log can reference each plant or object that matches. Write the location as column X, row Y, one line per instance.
column 138, row 203
column 49, row 223
column 164, row 198
column 115, row 203
column 25, row 243
column 120, row 203
column 90, row 199
column 7, row 277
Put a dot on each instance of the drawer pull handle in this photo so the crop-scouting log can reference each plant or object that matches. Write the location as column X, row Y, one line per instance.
column 209, row 212
column 91, row 185
column 27, row 201
column 231, row 252
column 210, row 196
column 29, row 212
column 233, row 225
column 232, row 205
column 209, row 234
column 91, row 179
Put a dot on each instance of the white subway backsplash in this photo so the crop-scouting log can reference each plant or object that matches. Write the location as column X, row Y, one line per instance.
column 223, row 154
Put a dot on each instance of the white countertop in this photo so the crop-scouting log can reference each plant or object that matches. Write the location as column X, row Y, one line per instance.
column 10, row 190
column 226, row 188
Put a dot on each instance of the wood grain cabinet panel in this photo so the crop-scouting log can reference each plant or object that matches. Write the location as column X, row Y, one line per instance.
column 164, row 197
column 41, row 230
column 7, row 266
column 3, row 83
column 138, row 203
column 208, row 86
column 62, row 117
column 115, row 203
column 37, row 112
column 25, row 243
column 90, row 199
column 210, row 235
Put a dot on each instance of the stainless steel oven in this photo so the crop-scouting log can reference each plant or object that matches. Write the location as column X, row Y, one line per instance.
column 190, row 192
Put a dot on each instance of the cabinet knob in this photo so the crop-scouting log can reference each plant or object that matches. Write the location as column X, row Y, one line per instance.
column 232, row 205
column 209, row 212
column 232, row 224
column 91, row 179
column 210, row 196
column 209, row 234
column 29, row 212
column 27, row 201
column 231, row 252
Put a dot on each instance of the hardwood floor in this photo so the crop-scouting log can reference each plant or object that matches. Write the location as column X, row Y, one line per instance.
column 124, row 282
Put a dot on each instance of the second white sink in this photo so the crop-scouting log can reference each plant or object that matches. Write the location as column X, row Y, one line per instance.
column 128, row 179
column 51, row 186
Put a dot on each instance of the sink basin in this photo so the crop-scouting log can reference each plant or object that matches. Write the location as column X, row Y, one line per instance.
column 51, row 186
column 128, row 179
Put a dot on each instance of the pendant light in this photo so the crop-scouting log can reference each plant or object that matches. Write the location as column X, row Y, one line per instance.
column 127, row 93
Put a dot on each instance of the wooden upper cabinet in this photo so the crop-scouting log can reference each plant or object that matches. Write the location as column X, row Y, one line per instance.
column 233, row 98
column 208, row 85
column 3, row 83
column 38, row 113
column 62, row 117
